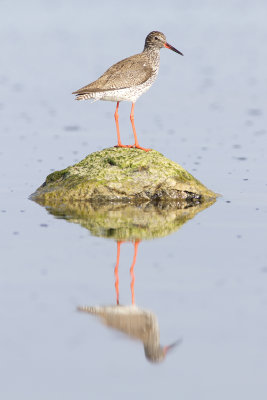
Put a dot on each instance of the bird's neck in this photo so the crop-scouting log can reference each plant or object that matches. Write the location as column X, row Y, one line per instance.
column 153, row 54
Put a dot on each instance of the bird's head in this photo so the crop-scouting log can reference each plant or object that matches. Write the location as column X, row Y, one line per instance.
column 158, row 40
column 157, row 353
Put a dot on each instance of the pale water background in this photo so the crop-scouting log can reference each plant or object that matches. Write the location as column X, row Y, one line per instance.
column 207, row 283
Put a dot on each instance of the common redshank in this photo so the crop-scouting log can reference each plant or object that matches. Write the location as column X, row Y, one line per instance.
column 128, row 79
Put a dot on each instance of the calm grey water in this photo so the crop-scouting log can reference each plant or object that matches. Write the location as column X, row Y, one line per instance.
column 207, row 282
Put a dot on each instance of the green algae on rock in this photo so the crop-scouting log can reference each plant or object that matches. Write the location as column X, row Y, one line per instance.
column 122, row 221
column 123, row 175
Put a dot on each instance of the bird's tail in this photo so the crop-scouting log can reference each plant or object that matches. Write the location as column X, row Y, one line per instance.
column 84, row 96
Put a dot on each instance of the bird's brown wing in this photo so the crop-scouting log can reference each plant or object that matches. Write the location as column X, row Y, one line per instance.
column 132, row 71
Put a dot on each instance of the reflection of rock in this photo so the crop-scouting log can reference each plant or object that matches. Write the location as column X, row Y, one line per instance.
column 124, row 221
column 137, row 323
column 123, row 175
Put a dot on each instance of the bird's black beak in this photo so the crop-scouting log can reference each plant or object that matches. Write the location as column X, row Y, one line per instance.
column 168, row 46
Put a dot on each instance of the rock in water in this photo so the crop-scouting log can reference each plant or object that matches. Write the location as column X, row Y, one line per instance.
column 123, row 175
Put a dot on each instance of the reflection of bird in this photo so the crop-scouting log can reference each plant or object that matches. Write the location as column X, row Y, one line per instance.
column 131, row 320
column 135, row 322
column 128, row 79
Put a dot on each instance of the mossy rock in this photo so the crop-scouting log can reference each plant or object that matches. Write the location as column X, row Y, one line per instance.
column 123, row 175
column 122, row 221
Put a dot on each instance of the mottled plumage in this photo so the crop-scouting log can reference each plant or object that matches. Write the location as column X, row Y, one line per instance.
column 128, row 79
column 126, row 73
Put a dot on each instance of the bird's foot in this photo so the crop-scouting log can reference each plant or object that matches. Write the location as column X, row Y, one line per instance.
column 133, row 146
column 136, row 146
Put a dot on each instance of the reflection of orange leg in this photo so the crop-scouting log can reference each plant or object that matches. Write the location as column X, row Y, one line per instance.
column 136, row 243
column 116, row 115
column 136, row 144
column 116, row 271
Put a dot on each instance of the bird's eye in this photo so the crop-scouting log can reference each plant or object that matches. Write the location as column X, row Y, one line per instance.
column 156, row 38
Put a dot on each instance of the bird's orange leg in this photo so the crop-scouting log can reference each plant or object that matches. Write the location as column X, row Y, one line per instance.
column 116, row 115
column 116, row 271
column 136, row 144
column 136, row 243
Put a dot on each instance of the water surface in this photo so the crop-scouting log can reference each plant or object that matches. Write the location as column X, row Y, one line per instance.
column 206, row 282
